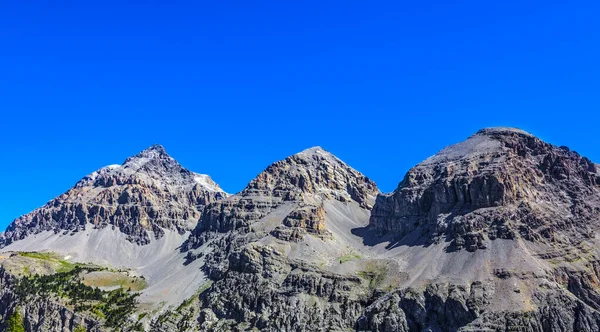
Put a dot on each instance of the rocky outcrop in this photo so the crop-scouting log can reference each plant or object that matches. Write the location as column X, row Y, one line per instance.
column 148, row 193
column 500, row 183
column 303, row 220
column 264, row 290
column 439, row 307
column 462, row 308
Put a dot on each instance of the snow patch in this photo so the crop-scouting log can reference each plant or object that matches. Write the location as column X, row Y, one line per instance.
column 205, row 181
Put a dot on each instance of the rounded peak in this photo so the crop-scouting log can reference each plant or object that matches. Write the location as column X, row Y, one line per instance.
column 485, row 141
column 502, row 130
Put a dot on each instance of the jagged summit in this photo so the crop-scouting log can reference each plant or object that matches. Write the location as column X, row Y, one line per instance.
column 154, row 167
column 149, row 192
column 155, row 151
column 152, row 159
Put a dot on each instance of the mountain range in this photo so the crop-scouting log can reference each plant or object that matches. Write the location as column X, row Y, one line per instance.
column 496, row 233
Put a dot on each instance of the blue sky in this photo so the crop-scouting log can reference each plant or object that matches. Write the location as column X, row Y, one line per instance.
column 229, row 87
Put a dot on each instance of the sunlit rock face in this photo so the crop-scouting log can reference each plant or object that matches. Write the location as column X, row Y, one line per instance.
column 304, row 180
column 499, row 183
column 149, row 192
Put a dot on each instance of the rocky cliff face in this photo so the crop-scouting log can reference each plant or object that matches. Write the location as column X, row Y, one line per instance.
column 149, row 192
column 256, row 286
column 303, row 181
column 500, row 183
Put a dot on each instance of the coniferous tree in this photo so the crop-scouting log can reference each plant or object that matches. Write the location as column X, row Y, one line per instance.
column 15, row 322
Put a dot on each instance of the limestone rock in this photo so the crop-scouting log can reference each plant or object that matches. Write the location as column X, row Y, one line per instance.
column 500, row 183
column 149, row 192
column 304, row 180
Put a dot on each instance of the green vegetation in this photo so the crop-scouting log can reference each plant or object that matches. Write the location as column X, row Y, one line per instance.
column 80, row 329
column 138, row 327
column 114, row 279
column 39, row 255
column 114, row 305
column 62, row 265
column 15, row 322
column 349, row 257
column 375, row 274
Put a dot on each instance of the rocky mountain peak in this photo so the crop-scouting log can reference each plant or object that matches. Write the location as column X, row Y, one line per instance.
column 314, row 153
column 154, row 158
column 154, row 152
column 500, row 182
column 149, row 192
column 302, row 182
column 153, row 167
column 314, row 172
column 502, row 130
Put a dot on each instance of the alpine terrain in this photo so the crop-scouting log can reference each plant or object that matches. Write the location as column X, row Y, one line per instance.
column 497, row 233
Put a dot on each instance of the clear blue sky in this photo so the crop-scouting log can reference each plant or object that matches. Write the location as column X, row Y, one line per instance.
column 229, row 87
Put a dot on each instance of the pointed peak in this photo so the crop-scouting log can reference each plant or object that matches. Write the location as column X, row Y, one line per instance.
column 156, row 147
column 154, row 152
column 314, row 151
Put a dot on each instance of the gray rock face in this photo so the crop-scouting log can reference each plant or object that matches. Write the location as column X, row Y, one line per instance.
column 148, row 193
column 459, row 308
column 304, row 180
column 265, row 291
column 500, row 183
column 439, row 307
